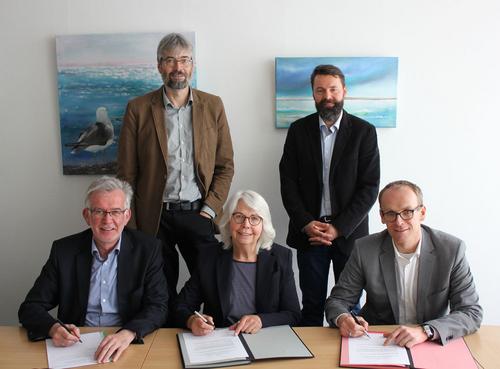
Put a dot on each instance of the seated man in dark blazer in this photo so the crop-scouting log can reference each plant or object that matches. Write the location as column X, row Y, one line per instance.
column 413, row 275
column 104, row 276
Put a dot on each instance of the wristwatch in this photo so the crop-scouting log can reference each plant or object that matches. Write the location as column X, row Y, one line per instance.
column 428, row 331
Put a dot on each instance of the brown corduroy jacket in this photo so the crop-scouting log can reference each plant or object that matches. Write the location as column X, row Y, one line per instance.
column 142, row 154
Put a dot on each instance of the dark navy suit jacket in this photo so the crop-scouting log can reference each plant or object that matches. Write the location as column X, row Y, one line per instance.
column 354, row 178
column 65, row 281
column 276, row 296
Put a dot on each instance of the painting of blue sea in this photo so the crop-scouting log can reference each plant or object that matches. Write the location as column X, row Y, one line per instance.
column 97, row 75
column 371, row 88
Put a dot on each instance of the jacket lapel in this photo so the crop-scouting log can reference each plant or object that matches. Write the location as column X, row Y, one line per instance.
column 425, row 267
column 198, row 111
column 266, row 264
column 83, row 266
column 123, row 274
column 313, row 135
column 158, row 112
column 340, row 141
column 389, row 274
column 224, row 277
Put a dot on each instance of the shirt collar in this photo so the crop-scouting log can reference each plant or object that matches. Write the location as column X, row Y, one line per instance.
column 116, row 249
column 336, row 124
column 416, row 253
column 167, row 102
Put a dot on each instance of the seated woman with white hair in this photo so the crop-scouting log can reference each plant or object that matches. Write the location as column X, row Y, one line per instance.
column 247, row 282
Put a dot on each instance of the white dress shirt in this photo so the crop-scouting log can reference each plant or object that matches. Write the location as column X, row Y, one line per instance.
column 406, row 277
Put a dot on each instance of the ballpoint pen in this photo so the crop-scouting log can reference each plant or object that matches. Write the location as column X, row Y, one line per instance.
column 204, row 319
column 359, row 323
column 69, row 331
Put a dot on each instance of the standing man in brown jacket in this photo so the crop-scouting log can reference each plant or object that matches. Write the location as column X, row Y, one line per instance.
column 175, row 150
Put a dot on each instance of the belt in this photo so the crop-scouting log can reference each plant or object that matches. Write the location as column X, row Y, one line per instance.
column 183, row 205
column 326, row 219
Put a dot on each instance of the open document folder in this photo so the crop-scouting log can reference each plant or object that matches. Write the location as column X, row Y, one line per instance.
column 222, row 348
column 364, row 352
column 79, row 354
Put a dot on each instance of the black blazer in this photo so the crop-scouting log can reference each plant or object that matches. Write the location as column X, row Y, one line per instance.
column 65, row 281
column 354, row 178
column 276, row 296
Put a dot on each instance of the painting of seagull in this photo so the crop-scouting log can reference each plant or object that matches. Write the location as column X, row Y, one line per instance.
column 97, row 137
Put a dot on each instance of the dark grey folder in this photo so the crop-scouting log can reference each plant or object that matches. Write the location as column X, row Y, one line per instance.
column 280, row 342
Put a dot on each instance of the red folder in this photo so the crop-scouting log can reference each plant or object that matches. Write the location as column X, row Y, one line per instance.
column 427, row 355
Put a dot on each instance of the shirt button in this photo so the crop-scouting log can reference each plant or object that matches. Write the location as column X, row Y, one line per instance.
column 103, row 300
column 103, row 282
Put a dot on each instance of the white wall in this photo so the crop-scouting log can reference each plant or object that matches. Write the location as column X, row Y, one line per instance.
column 446, row 139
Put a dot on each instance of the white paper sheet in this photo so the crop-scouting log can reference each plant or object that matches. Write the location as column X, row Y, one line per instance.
column 79, row 354
column 364, row 351
column 217, row 346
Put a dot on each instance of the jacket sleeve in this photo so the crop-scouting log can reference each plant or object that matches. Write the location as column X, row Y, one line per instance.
column 289, row 178
column 345, row 294
column 128, row 164
column 465, row 312
column 43, row 297
column 154, row 300
column 367, row 185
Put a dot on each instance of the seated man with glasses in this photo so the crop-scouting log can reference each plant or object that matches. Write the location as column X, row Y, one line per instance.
column 413, row 275
column 245, row 283
column 104, row 276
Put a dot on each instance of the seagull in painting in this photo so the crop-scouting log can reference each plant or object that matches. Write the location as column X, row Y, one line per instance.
column 98, row 136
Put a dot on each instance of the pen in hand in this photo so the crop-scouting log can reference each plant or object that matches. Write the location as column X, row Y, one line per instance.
column 359, row 323
column 205, row 320
column 67, row 329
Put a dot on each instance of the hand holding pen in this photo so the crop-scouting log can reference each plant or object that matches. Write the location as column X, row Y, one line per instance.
column 362, row 324
column 200, row 324
column 64, row 334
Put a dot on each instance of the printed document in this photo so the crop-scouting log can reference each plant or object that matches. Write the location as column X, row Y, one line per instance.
column 365, row 351
column 218, row 346
column 79, row 354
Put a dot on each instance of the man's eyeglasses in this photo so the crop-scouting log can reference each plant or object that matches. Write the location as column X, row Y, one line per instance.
column 170, row 61
column 240, row 218
column 407, row 214
column 101, row 213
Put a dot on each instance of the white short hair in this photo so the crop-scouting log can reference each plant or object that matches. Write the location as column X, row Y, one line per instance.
column 108, row 184
column 255, row 201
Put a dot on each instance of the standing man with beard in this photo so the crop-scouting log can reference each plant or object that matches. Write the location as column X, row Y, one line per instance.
column 330, row 174
column 175, row 150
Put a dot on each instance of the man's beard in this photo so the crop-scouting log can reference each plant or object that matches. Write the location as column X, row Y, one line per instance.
column 327, row 113
column 175, row 84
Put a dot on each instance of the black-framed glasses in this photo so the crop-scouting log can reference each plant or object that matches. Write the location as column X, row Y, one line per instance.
column 101, row 213
column 183, row 60
column 240, row 218
column 407, row 214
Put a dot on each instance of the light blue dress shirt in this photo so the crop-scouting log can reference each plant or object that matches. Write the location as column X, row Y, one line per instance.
column 102, row 308
column 181, row 176
column 328, row 137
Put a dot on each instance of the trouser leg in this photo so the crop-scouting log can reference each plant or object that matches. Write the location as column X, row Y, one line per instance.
column 314, row 266
column 196, row 233
column 168, row 237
